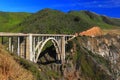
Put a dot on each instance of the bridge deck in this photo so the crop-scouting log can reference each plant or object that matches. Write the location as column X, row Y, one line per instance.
column 22, row 34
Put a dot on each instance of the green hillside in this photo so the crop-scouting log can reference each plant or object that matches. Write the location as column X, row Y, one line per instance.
column 96, row 19
column 53, row 21
column 10, row 19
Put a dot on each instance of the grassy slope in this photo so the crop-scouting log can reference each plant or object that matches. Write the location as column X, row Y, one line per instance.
column 10, row 19
column 10, row 69
column 96, row 19
column 53, row 21
column 26, row 70
column 50, row 21
column 116, row 31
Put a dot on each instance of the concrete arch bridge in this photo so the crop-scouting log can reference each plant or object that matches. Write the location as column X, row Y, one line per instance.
column 29, row 46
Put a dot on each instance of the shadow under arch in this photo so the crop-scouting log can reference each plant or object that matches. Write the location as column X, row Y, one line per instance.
column 56, row 45
column 48, row 56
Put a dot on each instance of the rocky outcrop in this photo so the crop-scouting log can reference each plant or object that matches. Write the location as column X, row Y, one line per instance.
column 108, row 46
column 82, row 64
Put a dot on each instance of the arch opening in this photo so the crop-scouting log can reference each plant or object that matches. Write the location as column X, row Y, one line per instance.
column 51, row 51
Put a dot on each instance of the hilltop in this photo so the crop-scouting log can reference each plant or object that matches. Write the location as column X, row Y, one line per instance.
column 54, row 21
column 96, row 19
column 49, row 21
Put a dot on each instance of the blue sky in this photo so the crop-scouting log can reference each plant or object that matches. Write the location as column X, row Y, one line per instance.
column 105, row 7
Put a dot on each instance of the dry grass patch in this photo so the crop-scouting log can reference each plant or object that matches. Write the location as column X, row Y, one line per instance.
column 116, row 31
column 10, row 69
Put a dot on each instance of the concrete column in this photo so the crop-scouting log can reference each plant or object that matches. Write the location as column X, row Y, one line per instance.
column 60, row 48
column 18, row 46
column 34, row 38
column 27, row 48
column 63, row 49
column 30, row 47
column 10, row 44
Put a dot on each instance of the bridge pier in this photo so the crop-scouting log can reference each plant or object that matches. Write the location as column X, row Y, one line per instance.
column 31, row 47
column 30, row 43
column 10, row 44
column 61, row 55
column 18, row 46
column 63, row 49
column 34, row 44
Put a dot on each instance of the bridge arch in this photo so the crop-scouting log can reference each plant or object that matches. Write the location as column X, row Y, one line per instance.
column 42, row 44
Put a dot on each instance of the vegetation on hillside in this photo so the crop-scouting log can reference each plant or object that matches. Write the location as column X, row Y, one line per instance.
column 50, row 21
column 9, row 19
column 96, row 19
column 53, row 21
